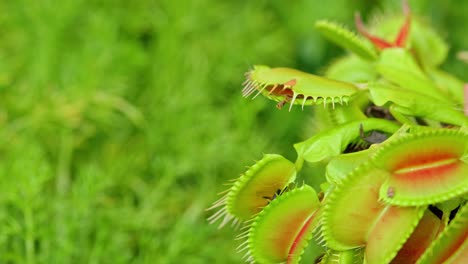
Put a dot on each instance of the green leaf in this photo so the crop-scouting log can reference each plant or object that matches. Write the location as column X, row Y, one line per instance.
column 429, row 47
column 331, row 143
column 353, row 111
column 417, row 104
column 448, row 83
column 398, row 66
column 351, row 69
column 339, row 167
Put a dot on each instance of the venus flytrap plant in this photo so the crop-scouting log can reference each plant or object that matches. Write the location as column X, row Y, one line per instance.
column 395, row 154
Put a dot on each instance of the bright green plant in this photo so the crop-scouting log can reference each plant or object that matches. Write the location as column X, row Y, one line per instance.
column 394, row 150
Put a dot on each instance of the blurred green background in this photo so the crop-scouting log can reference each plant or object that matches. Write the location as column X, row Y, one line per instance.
column 121, row 120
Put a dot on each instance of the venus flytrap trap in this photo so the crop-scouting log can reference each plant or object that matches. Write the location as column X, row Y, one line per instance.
column 295, row 87
column 395, row 149
column 254, row 189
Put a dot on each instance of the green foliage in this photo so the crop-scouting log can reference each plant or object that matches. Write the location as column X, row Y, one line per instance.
column 112, row 115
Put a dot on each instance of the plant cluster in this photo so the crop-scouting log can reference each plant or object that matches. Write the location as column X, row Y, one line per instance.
column 394, row 146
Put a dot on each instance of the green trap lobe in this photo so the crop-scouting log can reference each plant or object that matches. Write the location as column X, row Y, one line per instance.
column 451, row 246
column 259, row 184
column 412, row 158
column 352, row 208
column 425, row 168
column 302, row 239
column 281, row 227
column 390, row 231
column 419, row 241
column 461, row 256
